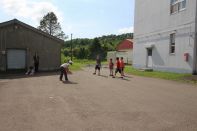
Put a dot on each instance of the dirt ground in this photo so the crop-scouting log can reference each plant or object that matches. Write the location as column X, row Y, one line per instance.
column 96, row 103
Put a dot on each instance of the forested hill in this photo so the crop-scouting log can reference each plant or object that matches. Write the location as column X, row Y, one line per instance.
column 112, row 39
column 88, row 48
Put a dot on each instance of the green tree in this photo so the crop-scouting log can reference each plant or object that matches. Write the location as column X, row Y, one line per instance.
column 49, row 24
column 82, row 53
column 95, row 48
column 89, row 48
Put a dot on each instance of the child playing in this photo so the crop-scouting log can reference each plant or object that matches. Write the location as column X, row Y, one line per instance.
column 98, row 65
column 111, row 67
column 118, row 69
column 122, row 65
column 30, row 71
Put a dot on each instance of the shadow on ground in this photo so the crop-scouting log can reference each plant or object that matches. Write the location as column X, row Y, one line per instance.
column 22, row 75
column 128, row 77
column 69, row 82
column 104, row 76
column 124, row 78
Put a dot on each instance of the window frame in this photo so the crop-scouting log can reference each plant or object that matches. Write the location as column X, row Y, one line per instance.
column 178, row 3
column 181, row 3
column 172, row 46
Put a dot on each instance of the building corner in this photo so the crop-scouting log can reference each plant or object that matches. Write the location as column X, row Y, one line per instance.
column 195, row 45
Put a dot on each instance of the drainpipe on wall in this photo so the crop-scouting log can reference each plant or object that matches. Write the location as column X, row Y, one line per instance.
column 195, row 45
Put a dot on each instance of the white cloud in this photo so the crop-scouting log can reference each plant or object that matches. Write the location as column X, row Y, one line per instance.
column 30, row 9
column 126, row 30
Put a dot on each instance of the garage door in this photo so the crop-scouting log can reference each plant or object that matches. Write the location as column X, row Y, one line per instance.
column 16, row 59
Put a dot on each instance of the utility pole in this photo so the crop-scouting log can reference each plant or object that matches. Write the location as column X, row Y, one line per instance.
column 71, row 46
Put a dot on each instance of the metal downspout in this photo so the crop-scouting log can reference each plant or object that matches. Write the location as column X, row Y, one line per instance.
column 195, row 45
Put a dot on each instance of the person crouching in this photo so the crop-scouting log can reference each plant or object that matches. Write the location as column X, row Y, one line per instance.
column 64, row 70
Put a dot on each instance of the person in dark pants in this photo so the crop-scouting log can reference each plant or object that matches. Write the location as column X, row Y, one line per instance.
column 122, row 66
column 36, row 62
column 64, row 69
column 98, row 65
column 111, row 68
column 118, row 68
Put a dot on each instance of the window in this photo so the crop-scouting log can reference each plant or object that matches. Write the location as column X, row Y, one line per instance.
column 177, row 5
column 182, row 4
column 172, row 43
column 149, row 51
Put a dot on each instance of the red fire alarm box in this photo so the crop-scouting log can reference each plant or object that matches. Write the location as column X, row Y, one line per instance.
column 186, row 56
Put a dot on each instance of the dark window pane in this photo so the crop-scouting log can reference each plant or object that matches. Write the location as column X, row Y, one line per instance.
column 149, row 52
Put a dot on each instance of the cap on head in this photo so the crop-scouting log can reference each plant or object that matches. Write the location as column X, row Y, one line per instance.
column 70, row 62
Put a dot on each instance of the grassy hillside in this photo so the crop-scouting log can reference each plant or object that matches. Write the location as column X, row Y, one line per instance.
column 88, row 48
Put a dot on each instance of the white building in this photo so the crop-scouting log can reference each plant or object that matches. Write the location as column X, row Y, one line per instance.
column 165, row 35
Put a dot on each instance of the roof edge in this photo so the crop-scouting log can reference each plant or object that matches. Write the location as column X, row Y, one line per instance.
column 16, row 21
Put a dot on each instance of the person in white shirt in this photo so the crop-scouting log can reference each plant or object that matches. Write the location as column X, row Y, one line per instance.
column 64, row 68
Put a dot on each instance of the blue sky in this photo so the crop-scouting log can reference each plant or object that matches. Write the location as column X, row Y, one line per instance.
column 83, row 18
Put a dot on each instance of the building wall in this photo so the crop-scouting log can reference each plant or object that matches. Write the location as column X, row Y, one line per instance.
column 153, row 25
column 126, row 54
column 111, row 55
column 23, row 38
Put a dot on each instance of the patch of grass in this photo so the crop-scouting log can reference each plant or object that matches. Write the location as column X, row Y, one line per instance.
column 158, row 74
column 79, row 63
column 84, row 61
column 76, row 67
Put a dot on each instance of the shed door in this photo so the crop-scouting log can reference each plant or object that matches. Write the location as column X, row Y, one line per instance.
column 16, row 59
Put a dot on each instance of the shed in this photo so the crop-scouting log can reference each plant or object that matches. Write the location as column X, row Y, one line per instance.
column 20, row 42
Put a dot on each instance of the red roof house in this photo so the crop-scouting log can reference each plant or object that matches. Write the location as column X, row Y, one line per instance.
column 126, row 44
column 124, row 49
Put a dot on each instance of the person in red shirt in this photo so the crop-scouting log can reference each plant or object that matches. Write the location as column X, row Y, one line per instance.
column 111, row 67
column 118, row 69
column 122, row 65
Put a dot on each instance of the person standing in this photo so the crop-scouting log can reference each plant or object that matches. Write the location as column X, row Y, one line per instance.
column 98, row 65
column 111, row 67
column 122, row 66
column 36, row 62
column 118, row 69
column 64, row 70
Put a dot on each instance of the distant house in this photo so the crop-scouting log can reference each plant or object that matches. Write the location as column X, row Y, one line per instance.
column 20, row 42
column 165, row 35
column 124, row 49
